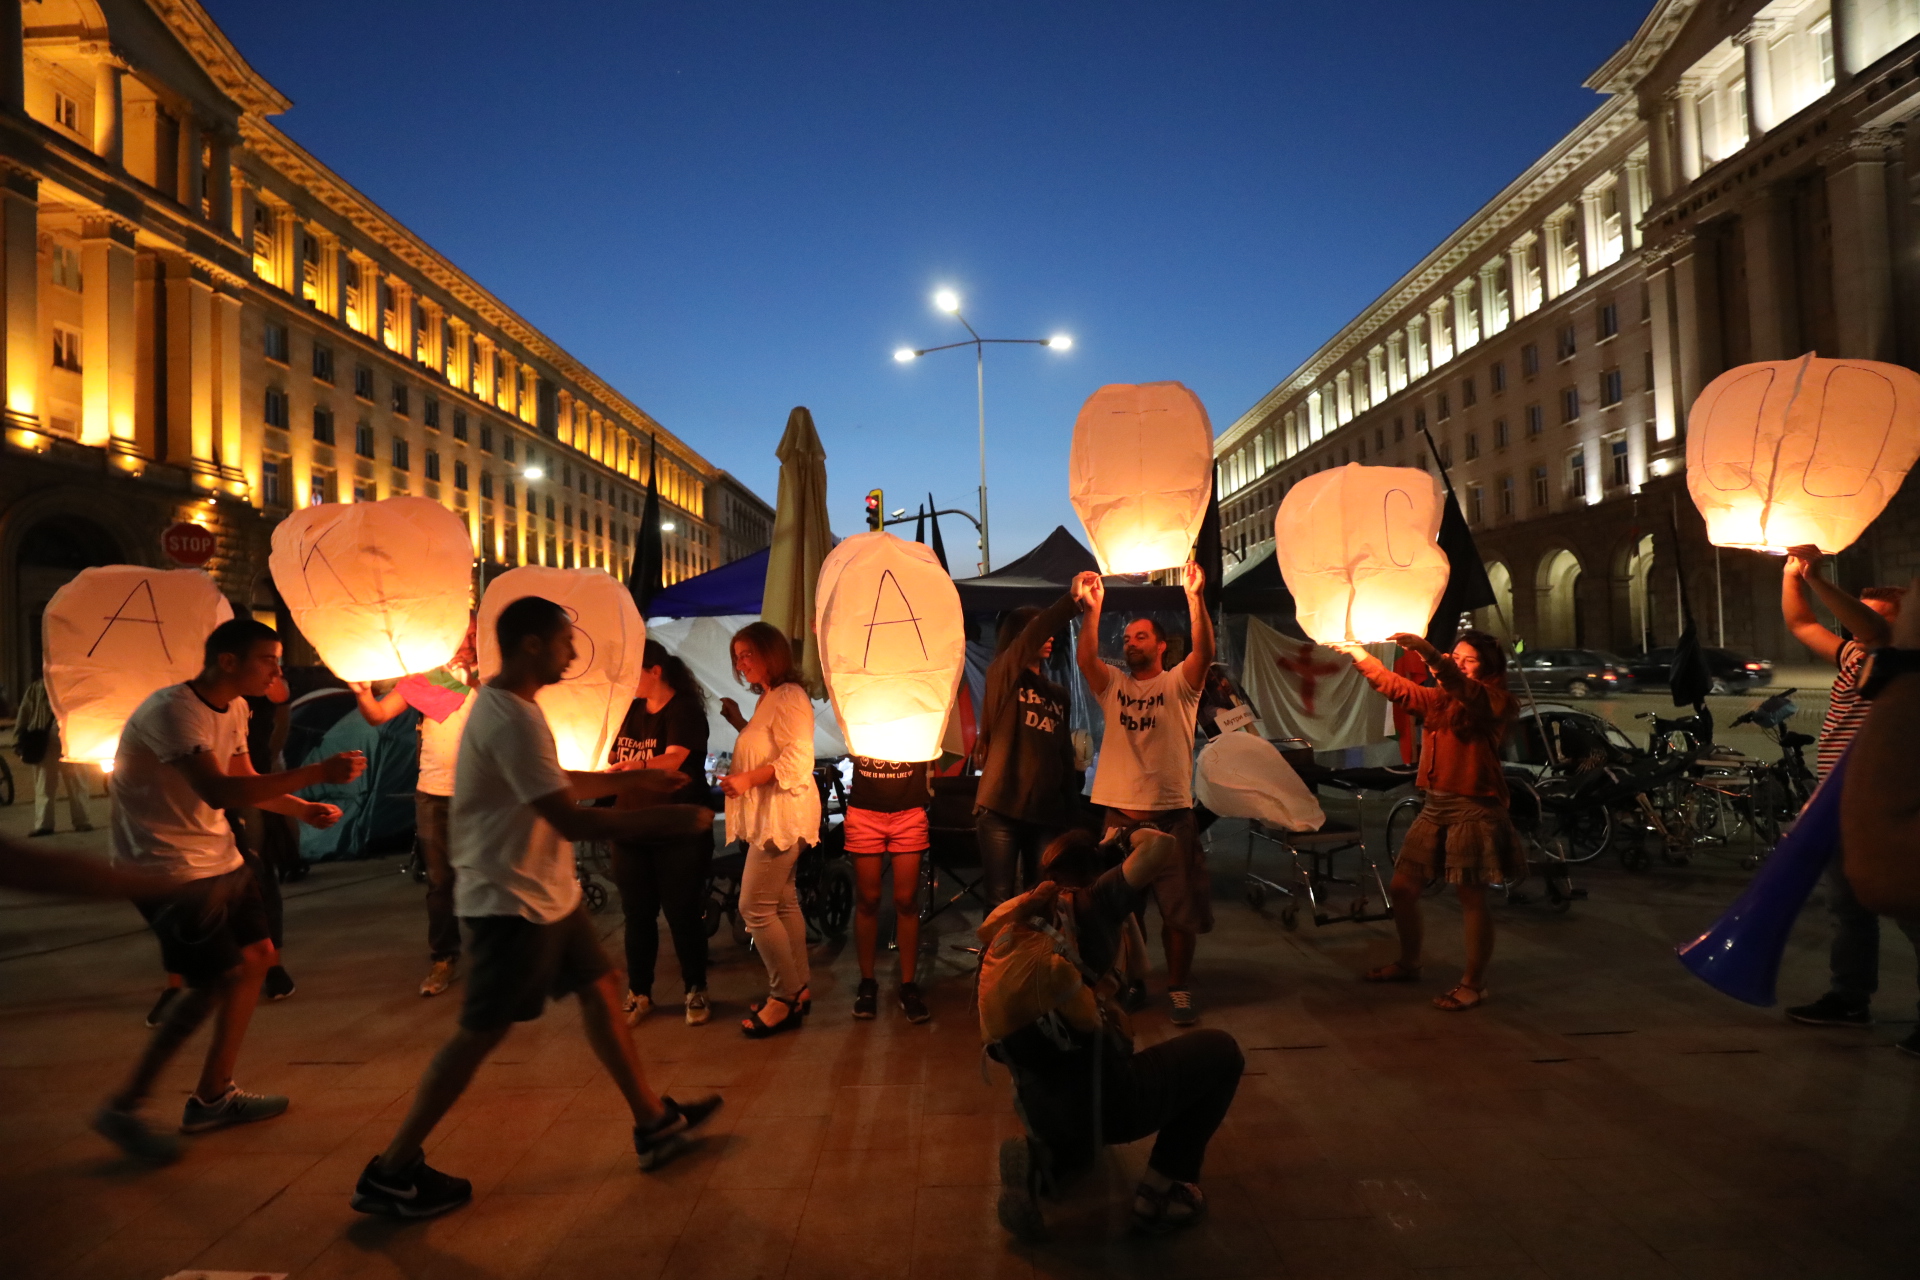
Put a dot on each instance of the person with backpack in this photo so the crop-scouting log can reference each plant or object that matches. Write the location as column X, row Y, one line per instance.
column 36, row 740
column 1048, row 977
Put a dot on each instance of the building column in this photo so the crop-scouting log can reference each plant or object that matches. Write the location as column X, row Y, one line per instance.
column 20, row 261
column 237, row 451
column 1637, row 201
column 483, row 383
column 1659, row 147
column 109, row 109
column 327, row 286
column 1849, row 42
column 1686, row 114
column 220, row 181
column 108, row 355
column 1764, row 232
column 1688, row 367
column 1757, row 39
column 190, row 440
column 149, row 416
column 1862, row 256
column 1517, row 288
column 192, row 179
column 241, row 207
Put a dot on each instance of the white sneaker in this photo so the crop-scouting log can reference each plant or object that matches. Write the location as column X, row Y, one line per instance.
column 698, row 1009
column 636, row 1008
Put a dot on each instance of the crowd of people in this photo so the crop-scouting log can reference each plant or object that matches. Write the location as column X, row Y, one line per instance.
column 1075, row 857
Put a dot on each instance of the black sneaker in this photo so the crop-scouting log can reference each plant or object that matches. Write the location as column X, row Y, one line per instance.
column 669, row 1135
column 912, row 1005
column 1911, row 1045
column 1133, row 997
column 866, row 1001
column 1022, row 1175
column 278, row 984
column 1831, row 1011
column 158, row 1014
column 126, row 1130
column 417, row 1191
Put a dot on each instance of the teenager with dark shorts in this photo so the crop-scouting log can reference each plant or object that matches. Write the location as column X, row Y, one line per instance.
column 181, row 763
column 666, row 728
column 1025, row 751
column 886, row 827
column 515, row 813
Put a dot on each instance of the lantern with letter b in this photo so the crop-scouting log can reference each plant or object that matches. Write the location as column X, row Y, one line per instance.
column 892, row 644
column 585, row 709
column 1359, row 548
column 1140, row 474
column 116, row 634
column 1786, row 453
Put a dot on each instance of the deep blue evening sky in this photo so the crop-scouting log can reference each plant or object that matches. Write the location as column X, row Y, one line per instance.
column 728, row 209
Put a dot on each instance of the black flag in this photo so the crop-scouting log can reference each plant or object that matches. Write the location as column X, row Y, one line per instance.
column 920, row 524
column 939, row 547
column 1688, row 678
column 1210, row 555
column 644, row 578
column 1467, row 584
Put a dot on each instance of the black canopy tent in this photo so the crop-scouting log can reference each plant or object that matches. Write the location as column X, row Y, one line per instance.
column 1043, row 575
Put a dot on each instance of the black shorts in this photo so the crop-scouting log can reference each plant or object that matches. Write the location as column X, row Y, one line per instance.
column 514, row 965
column 203, row 924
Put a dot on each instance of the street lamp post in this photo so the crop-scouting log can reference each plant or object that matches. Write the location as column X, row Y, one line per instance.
column 949, row 301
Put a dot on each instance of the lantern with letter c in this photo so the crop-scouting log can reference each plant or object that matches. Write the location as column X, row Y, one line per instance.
column 116, row 634
column 892, row 644
column 1140, row 473
column 585, row 709
column 1786, row 453
column 1359, row 548
column 380, row 589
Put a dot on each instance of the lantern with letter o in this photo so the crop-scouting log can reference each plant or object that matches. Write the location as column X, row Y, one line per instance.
column 116, row 634
column 1786, row 453
column 380, row 589
column 1140, row 473
column 892, row 644
column 585, row 709
column 1359, row 549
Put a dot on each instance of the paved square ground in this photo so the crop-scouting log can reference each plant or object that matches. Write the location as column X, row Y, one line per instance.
column 1605, row 1114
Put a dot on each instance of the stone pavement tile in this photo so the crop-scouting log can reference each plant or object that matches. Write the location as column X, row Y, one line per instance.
column 871, row 1255
column 653, row 1207
column 1338, row 1249
column 869, row 1192
column 738, row 1234
column 964, row 1150
column 769, row 1152
column 795, row 1089
column 870, row 1117
column 1449, row 1235
column 1689, row 1221
column 284, row 1234
column 1584, row 1241
column 315, row 1119
column 1739, row 1264
column 126, row 1256
column 606, row 1258
column 209, row 1198
column 501, row 1234
column 1313, row 1195
column 573, row 1158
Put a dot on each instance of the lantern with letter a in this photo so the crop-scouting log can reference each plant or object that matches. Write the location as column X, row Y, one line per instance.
column 1359, row 548
column 585, row 709
column 1140, row 474
column 116, row 634
column 380, row 589
column 892, row 644
column 1787, row 453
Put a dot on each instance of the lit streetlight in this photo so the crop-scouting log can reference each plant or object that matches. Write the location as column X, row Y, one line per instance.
column 948, row 301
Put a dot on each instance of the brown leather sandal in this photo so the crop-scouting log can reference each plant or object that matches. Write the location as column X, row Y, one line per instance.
column 1451, row 1002
column 1394, row 972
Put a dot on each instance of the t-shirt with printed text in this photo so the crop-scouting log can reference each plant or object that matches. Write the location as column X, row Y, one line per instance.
column 1146, row 753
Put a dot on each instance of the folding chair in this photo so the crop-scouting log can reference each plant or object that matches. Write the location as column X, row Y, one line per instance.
column 952, row 866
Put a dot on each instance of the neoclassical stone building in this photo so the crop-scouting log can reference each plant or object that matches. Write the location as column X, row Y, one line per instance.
column 200, row 321
column 1744, row 192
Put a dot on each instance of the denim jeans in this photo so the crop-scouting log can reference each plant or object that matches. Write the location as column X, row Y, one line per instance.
column 1009, row 852
column 1855, row 958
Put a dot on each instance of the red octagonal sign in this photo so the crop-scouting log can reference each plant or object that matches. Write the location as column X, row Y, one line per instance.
column 187, row 544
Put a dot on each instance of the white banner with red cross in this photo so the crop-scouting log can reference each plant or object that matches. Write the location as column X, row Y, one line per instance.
column 1304, row 690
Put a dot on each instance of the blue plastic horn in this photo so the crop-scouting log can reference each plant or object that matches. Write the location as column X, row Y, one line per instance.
column 1741, row 954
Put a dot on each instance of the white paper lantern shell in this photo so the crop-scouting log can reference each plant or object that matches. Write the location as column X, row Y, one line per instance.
column 1140, row 473
column 893, row 644
column 1242, row 775
column 1359, row 549
column 113, row 636
column 380, row 589
column 1784, row 453
column 585, row 709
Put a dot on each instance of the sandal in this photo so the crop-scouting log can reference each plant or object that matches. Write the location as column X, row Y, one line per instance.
column 1180, row 1205
column 754, row 1029
column 1395, row 972
column 1453, row 1003
column 805, row 999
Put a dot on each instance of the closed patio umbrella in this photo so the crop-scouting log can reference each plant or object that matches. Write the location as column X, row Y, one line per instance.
column 801, row 540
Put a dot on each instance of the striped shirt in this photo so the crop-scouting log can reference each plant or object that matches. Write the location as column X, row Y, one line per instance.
column 1846, row 709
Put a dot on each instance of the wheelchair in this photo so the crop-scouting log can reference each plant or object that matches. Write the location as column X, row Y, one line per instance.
column 1332, row 871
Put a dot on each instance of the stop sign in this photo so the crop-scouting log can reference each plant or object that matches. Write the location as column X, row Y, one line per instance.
column 187, row 544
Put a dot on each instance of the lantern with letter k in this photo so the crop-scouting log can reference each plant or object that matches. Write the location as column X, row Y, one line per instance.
column 1359, row 548
column 892, row 645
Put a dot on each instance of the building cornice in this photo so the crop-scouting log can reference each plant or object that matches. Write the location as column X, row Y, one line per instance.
column 1624, row 71
column 202, row 37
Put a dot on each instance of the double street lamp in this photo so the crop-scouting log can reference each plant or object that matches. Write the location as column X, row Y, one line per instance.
column 949, row 301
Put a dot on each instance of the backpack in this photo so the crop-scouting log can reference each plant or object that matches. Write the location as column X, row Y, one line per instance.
column 1030, row 968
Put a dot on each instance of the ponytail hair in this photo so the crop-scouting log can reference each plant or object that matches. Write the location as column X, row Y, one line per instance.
column 676, row 674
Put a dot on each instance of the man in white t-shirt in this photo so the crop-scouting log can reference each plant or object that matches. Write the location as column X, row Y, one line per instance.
column 443, row 697
column 183, row 761
column 1145, row 774
column 515, row 813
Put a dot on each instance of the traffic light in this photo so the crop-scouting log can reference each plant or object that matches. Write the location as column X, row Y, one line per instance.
column 876, row 510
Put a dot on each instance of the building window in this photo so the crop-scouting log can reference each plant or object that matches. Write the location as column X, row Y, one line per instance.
column 1617, row 452
column 459, row 425
column 506, row 488
column 1468, row 395
column 1499, row 433
column 430, row 412
column 1446, row 453
column 1535, row 419
column 486, row 438
column 549, row 504
column 1570, row 404
column 402, row 454
column 66, row 112
column 400, row 399
column 66, row 267
column 1506, row 495
column 1497, row 376
column 275, row 410
column 1475, row 504
column 460, row 475
column 1567, row 344
column 323, row 363
column 272, row 486
column 1442, row 408
column 319, row 487
column 1609, row 321
column 1577, row 473
column 363, row 382
column 1610, row 388
column 322, row 424
column 1420, row 419
column 1649, row 370
column 66, row 348
column 363, row 440
column 486, row 483
column 1539, row 486
column 274, row 338
column 1529, row 360
column 507, row 449
column 431, row 463
column 1473, row 445
column 1399, row 431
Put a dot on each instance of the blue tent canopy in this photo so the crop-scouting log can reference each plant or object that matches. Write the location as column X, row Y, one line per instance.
column 731, row 589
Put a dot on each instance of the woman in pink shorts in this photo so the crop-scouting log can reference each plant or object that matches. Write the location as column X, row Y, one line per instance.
column 887, row 822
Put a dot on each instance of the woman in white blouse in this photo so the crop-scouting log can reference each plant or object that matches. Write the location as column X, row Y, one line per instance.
column 773, row 806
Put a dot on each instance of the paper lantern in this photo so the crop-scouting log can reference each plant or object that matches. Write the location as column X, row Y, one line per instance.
column 1241, row 775
column 113, row 636
column 585, row 709
column 1790, row 452
column 892, row 644
column 1140, row 473
column 1359, row 548
column 380, row 589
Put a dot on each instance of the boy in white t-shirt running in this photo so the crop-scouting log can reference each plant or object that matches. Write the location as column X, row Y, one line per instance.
column 515, row 813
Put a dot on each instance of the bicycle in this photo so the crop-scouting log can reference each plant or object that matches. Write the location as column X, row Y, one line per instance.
column 1781, row 789
column 1542, row 834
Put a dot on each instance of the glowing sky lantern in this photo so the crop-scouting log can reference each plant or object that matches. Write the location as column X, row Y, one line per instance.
column 1140, row 473
column 1789, row 452
column 1359, row 548
column 115, row 634
column 892, row 644
column 380, row 589
column 609, row 637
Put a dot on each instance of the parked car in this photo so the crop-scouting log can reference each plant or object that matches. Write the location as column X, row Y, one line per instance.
column 1731, row 672
column 1578, row 673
